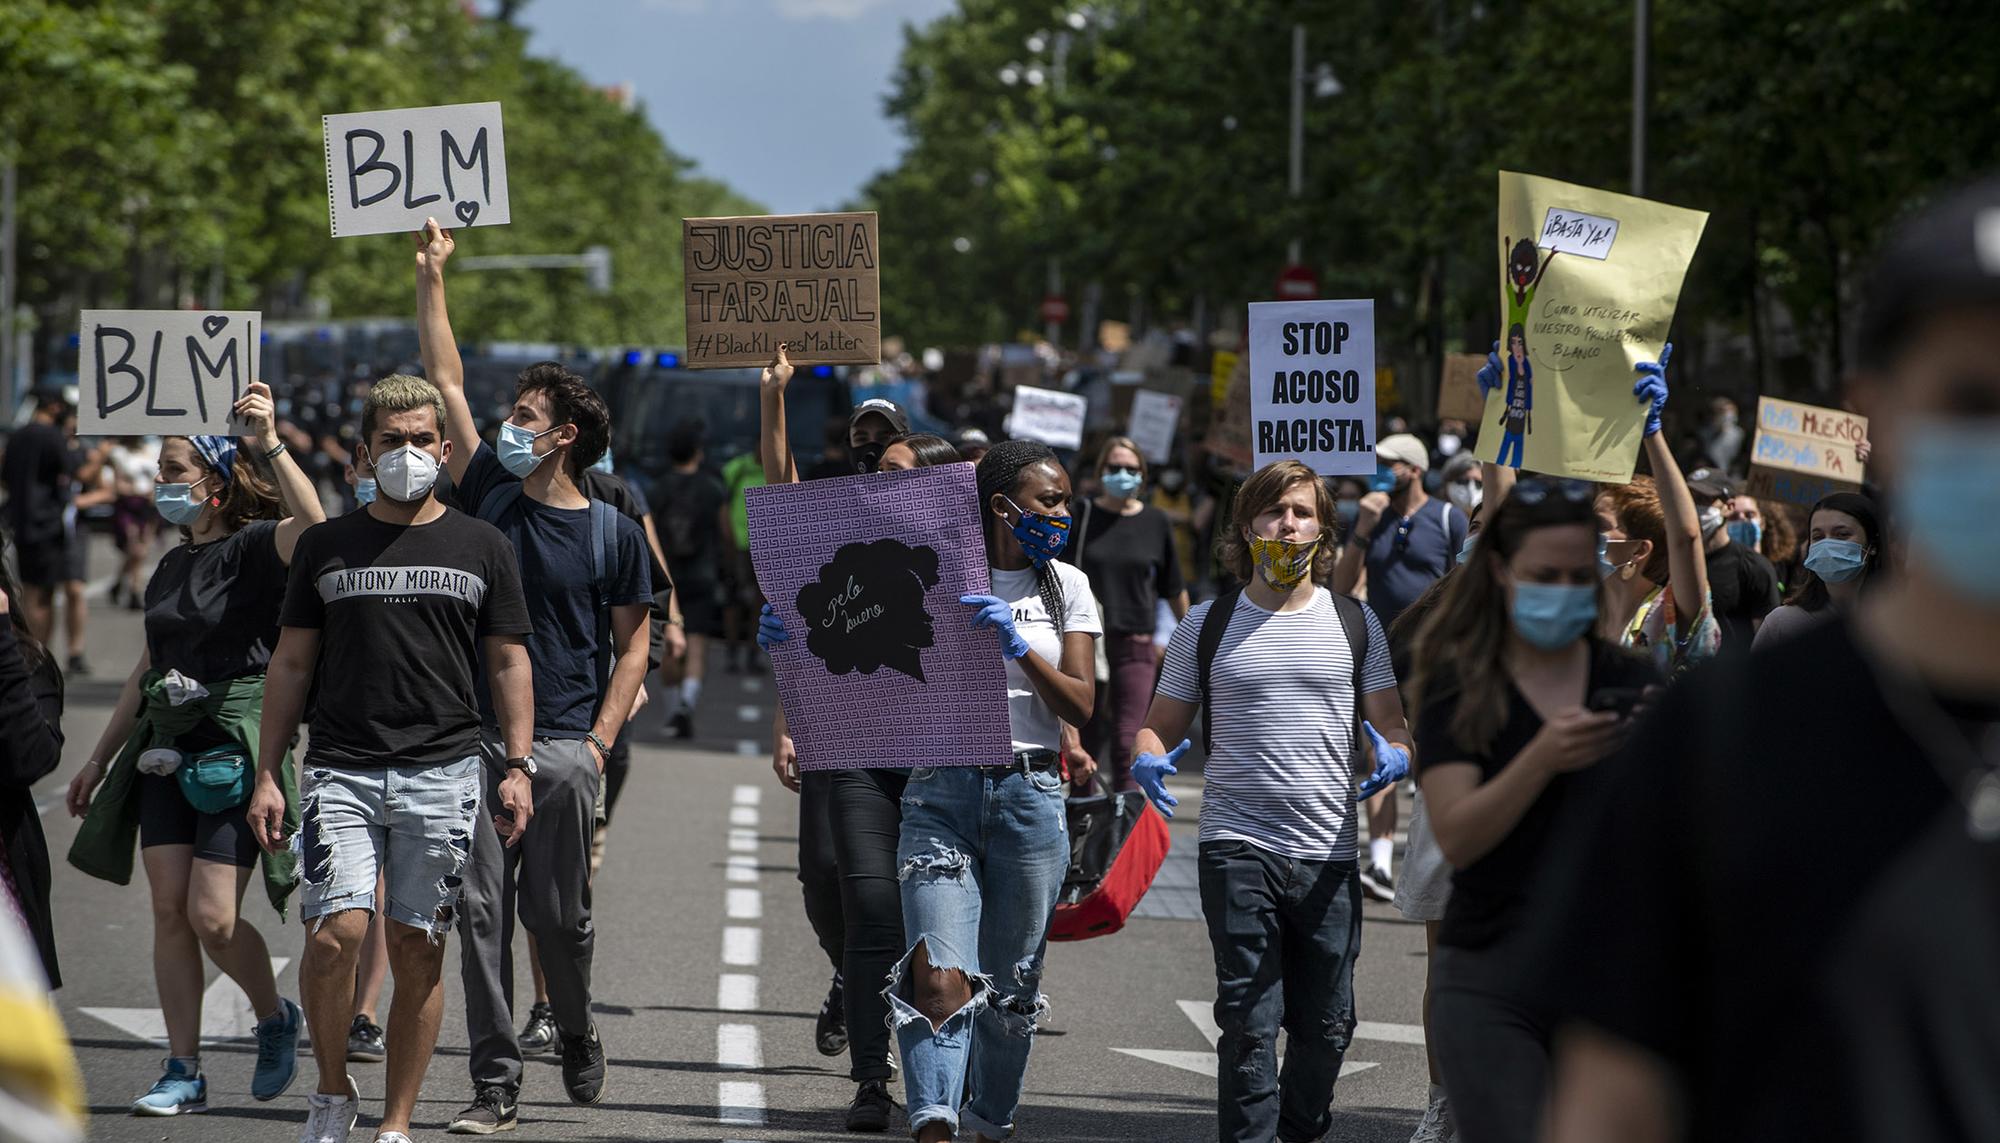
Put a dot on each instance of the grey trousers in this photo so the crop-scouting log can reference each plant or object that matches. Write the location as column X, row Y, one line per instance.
column 547, row 877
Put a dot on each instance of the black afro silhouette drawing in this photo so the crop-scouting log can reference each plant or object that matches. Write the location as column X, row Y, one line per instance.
column 866, row 609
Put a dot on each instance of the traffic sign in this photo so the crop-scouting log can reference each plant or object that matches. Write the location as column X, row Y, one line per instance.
column 1297, row 283
column 1055, row 309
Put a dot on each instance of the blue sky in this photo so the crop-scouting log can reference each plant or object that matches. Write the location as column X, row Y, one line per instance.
column 782, row 99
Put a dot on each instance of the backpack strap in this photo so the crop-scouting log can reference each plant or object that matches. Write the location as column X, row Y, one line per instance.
column 1355, row 624
column 603, row 557
column 498, row 500
column 1206, row 644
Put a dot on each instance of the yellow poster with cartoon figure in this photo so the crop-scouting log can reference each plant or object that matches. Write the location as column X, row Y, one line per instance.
column 1588, row 284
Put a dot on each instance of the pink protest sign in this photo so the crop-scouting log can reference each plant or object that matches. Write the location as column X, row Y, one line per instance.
column 883, row 667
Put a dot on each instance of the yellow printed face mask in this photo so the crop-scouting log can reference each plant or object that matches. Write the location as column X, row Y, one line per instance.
column 1283, row 563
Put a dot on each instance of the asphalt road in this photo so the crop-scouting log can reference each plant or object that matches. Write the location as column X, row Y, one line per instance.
column 708, row 978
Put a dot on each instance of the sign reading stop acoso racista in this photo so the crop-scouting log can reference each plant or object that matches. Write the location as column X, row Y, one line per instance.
column 808, row 281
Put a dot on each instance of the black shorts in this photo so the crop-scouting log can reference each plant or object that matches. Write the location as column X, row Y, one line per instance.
column 701, row 605
column 76, row 556
column 42, row 563
column 166, row 818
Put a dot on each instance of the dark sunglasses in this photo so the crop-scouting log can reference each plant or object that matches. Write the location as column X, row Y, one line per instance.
column 1536, row 489
column 1124, row 468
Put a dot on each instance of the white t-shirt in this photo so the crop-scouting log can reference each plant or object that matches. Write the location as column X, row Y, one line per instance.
column 1282, row 700
column 1035, row 725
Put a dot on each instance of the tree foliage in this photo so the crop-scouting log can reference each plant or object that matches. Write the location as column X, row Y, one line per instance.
column 1153, row 160
column 170, row 154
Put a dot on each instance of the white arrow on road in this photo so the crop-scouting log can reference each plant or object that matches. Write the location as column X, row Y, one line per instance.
column 225, row 1013
column 1202, row 1014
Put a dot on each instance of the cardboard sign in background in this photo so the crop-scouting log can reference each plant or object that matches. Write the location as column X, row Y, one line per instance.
column 1155, row 419
column 809, row 281
column 1458, row 388
column 1804, row 452
column 386, row 171
column 1313, row 384
column 164, row 372
column 1229, row 424
column 1051, row 417
column 1604, row 275
column 887, row 669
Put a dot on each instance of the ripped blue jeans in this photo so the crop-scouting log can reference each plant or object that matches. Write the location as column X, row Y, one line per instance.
column 415, row 822
column 981, row 860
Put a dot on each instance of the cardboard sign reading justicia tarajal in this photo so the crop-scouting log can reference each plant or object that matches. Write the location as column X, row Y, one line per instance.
column 808, row 281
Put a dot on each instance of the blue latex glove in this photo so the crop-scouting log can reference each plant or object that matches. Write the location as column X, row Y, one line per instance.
column 1652, row 387
column 770, row 630
column 1490, row 375
column 1392, row 765
column 1151, row 770
column 998, row 614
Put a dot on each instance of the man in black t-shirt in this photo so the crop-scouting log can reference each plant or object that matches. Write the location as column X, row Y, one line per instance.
column 36, row 472
column 1782, row 919
column 692, row 520
column 1742, row 585
column 585, row 568
column 390, row 610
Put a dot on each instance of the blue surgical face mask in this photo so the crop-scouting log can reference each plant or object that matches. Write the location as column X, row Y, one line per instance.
column 364, row 491
column 603, row 464
column 1553, row 615
column 177, row 503
column 517, row 448
column 1749, row 533
column 1605, row 568
column 1947, row 497
column 1122, row 484
column 1465, row 549
column 1042, row 537
column 1836, row 561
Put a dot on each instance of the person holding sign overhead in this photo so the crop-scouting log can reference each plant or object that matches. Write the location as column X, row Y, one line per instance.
column 176, row 759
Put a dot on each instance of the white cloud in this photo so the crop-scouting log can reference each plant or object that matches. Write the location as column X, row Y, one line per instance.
column 828, row 9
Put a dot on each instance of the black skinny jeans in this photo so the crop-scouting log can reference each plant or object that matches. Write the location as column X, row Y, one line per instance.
column 819, row 868
column 867, row 818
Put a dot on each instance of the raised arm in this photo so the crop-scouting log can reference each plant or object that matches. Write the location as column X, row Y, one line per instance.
column 440, row 350
column 1687, row 566
column 774, row 445
column 295, row 489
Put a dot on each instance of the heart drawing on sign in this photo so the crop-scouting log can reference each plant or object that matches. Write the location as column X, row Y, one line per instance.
column 466, row 211
column 212, row 324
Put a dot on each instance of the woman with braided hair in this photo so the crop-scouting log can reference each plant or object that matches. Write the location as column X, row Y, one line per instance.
column 984, row 848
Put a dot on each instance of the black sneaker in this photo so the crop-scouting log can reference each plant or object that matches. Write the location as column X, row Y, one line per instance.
column 871, row 1107
column 492, row 1112
column 79, row 667
column 830, row 1033
column 1378, row 884
column 583, row 1068
column 682, row 723
column 538, row 1036
column 365, row 1044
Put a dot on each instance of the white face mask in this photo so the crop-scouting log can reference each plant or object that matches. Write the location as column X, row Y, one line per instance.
column 1711, row 519
column 1465, row 495
column 406, row 474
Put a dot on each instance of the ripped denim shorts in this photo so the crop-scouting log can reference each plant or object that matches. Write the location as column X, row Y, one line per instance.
column 414, row 822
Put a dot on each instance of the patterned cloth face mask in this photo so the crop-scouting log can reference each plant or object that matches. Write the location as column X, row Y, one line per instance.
column 1042, row 537
column 1283, row 563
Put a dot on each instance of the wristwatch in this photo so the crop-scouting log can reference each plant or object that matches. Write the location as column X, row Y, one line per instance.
column 525, row 762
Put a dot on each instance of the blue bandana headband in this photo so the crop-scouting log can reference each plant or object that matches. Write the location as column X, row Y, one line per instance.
column 219, row 453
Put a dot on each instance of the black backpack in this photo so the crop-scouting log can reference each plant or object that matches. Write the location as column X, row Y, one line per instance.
column 1210, row 641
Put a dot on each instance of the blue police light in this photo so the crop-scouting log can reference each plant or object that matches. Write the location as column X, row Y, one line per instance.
column 822, row 370
column 634, row 357
column 669, row 361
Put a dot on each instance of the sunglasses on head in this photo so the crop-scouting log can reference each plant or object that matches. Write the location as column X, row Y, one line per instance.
column 1536, row 489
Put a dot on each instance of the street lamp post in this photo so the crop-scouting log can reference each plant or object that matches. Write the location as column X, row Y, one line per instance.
column 1642, row 18
column 1296, row 186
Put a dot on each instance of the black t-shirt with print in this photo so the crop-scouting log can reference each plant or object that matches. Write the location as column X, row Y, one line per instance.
column 1773, row 892
column 1489, row 896
column 212, row 609
column 400, row 612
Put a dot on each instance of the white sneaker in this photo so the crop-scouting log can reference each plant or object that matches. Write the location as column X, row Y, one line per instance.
column 1435, row 1127
column 392, row 1137
column 330, row 1117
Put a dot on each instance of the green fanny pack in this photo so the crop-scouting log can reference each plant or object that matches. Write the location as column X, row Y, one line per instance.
column 216, row 780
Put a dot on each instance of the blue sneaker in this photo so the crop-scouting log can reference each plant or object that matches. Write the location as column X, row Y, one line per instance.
column 277, row 1051
column 181, row 1091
